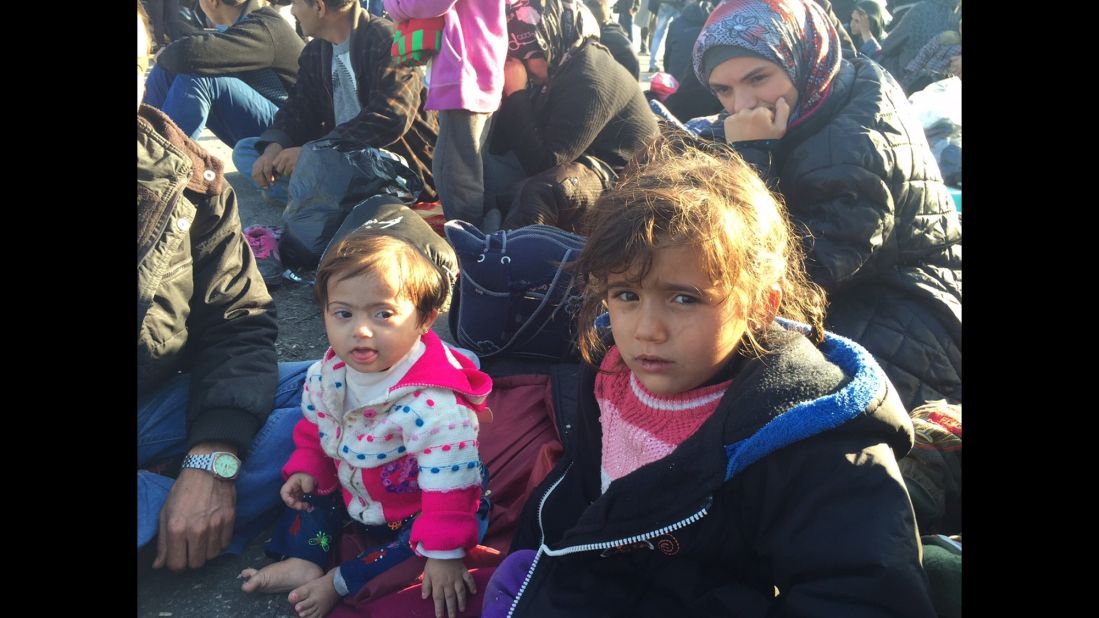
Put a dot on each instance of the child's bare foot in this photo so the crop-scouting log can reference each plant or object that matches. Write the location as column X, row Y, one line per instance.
column 317, row 598
column 280, row 576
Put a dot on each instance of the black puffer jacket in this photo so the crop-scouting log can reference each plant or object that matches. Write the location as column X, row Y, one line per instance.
column 202, row 307
column 884, row 236
column 791, row 484
column 591, row 106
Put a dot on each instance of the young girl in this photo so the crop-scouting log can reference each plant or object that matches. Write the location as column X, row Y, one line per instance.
column 389, row 426
column 725, row 462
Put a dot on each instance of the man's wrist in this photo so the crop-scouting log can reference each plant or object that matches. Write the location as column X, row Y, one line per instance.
column 205, row 448
column 217, row 459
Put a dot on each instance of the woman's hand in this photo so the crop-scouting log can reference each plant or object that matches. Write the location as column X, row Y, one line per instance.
column 758, row 123
column 515, row 76
column 295, row 487
column 446, row 582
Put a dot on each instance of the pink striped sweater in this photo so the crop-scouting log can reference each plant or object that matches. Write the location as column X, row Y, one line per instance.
column 640, row 427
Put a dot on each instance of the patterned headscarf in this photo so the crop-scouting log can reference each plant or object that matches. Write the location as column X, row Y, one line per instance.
column 794, row 34
column 548, row 29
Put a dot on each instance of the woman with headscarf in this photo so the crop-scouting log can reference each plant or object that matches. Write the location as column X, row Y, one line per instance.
column 840, row 142
column 570, row 120
column 868, row 27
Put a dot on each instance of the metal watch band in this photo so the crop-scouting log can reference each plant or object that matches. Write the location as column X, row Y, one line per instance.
column 202, row 462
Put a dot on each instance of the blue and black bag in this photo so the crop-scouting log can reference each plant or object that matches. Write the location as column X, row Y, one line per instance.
column 514, row 296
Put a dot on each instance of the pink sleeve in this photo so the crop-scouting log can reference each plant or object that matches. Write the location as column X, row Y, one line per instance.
column 309, row 457
column 404, row 10
column 448, row 520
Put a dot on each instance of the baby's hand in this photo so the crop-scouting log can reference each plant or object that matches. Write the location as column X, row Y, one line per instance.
column 446, row 581
column 299, row 484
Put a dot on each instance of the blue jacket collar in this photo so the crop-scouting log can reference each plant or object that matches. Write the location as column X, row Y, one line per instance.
column 865, row 388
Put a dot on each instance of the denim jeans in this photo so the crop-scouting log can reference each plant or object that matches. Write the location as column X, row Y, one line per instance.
column 374, row 7
column 231, row 108
column 663, row 19
column 626, row 21
column 244, row 157
column 162, row 433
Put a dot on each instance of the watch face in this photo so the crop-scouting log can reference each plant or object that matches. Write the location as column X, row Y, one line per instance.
column 226, row 466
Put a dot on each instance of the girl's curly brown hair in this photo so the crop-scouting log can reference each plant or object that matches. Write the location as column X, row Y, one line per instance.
column 708, row 199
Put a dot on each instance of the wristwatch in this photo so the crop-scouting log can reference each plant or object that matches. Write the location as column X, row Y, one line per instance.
column 221, row 464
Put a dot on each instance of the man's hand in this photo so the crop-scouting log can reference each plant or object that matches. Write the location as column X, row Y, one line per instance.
column 956, row 66
column 286, row 160
column 196, row 522
column 446, row 582
column 758, row 123
column 515, row 76
column 295, row 487
column 263, row 170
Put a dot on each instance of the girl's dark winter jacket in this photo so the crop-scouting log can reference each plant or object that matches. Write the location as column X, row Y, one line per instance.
column 787, row 501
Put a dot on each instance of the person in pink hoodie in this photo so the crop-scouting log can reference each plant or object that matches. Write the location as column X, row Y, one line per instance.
column 464, row 86
column 387, row 439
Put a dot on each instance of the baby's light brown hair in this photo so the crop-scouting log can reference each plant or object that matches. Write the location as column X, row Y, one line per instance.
column 367, row 250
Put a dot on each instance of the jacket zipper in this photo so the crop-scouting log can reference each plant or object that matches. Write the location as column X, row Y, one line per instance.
column 542, row 549
column 541, row 543
column 683, row 523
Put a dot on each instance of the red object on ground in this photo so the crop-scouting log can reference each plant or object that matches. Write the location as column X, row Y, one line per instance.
column 432, row 212
column 663, row 85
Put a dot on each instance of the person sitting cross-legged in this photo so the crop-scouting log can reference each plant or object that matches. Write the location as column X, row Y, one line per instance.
column 350, row 89
column 232, row 79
